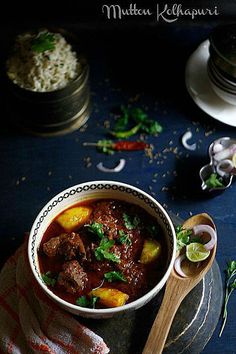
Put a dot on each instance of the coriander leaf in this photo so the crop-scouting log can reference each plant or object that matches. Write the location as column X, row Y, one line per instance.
column 231, row 267
column 48, row 280
column 141, row 121
column 151, row 127
column 110, row 256
column 101, row 252
column 233, row 284
column 214, row 181
column 96, row 228
column 98, row 254
column 84, row 302
column 182, row 236
column 106, row 243
column 138, row 115
column 230, row 287
column 124, row 238
column 113, row 276
column 148, row 126
column 131, row 222
column 44, row 41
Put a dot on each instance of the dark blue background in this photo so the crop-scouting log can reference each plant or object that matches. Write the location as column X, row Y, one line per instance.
column 147, row 61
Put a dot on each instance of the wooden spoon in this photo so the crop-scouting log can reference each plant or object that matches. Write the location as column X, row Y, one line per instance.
column 176, row 290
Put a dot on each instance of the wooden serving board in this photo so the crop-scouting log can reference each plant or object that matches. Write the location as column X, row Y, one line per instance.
column 192, row 327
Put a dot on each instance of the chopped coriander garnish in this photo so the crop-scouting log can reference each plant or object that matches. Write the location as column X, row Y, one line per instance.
column 48, row 280
column 44, row 41
column 148, row 126
column 113, row 276
column 124, row 238
column 133, row 120
column 214, row 181
column 96, row 228
column 230, row 286
column 183, row 237
column 131, row 222
column 84, row 302
column 109, row 256
column 102, row 251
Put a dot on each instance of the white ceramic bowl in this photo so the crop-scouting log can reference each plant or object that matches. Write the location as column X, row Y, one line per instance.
column 98, row 190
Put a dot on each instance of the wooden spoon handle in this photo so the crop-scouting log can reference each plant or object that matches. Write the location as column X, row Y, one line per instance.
column 161, row 326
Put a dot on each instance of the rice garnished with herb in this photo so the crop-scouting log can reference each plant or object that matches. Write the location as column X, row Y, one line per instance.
column 42, row 62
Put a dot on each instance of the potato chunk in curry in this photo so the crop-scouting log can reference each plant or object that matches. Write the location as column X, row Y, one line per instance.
column 151, row 251
column 110, row 297
column 74, row 217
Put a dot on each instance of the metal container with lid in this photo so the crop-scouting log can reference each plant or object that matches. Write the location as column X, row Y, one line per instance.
column 53, row 112
column 223, row 49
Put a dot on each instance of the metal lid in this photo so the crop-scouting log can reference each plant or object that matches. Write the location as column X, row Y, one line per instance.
column 223, row 41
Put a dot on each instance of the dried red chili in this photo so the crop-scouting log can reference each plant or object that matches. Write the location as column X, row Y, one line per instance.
column 109, row 146
column 130, row 145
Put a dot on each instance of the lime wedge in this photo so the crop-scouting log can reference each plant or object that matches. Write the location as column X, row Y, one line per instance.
column 234, row 159
column 196, row 252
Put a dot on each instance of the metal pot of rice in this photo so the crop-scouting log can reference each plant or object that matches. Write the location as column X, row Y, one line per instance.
column 47, row 79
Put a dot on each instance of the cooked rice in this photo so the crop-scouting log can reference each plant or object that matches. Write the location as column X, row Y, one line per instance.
column 42, row 72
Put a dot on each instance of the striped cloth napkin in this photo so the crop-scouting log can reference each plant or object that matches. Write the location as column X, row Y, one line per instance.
column 31, row 323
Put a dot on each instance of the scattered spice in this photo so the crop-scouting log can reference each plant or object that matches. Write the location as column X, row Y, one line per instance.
column 107, row 124
column 149, row 151
column 88, row 161
column 209, row 132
